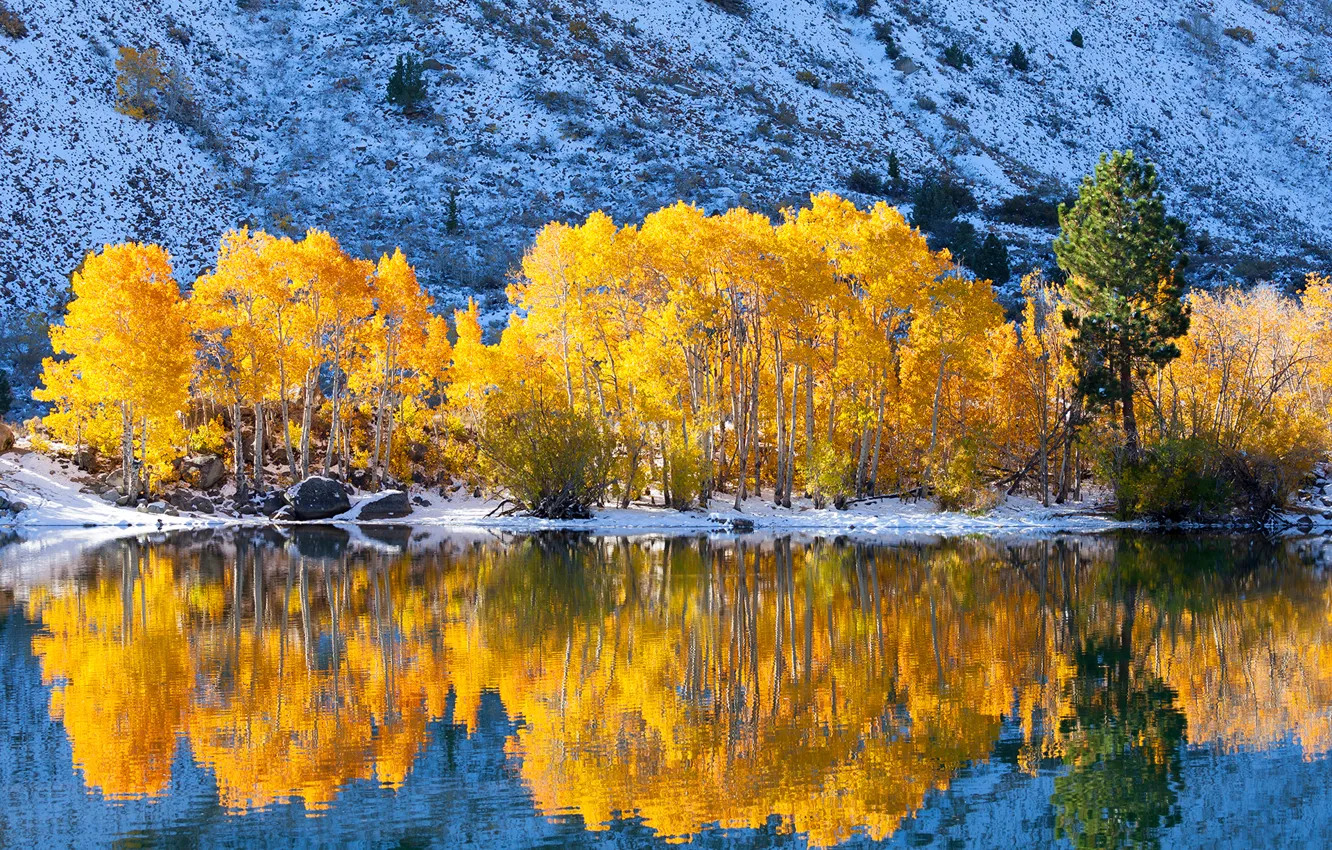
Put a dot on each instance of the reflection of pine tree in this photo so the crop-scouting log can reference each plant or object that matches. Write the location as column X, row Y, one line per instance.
column 1123, row 752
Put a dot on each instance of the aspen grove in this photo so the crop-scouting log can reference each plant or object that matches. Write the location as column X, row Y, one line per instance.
column 831, row 355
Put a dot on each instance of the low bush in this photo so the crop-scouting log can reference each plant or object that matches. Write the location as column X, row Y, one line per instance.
column 211, row 438
column 1029, row 210
column 1243, row 34
column 739, row 8
column 1173, row 480
column 883, row 33
column 565, row 103
column 829, row 475
column 1182, row 479
column 685, row 475
column 807, row 77
column 1076, row 38
column 864, row 181
column 960, row 487
column 580, row 30
column 556, row 463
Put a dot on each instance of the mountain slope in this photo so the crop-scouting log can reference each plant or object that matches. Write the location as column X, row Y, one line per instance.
column 543, row 110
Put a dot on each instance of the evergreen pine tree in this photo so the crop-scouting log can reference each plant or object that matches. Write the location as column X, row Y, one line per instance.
column 989, row 260
column 1017, row 57
column 955, row 57
column 896, row 184
column 453, row 224
column 6, row 394
column 1125, row 264
column 406, row 86
column 1076, row 38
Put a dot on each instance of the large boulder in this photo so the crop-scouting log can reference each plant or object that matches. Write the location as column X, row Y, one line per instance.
column 209, row 470
column 318, row 497
column 86, row 458
column 271, row 502
column 388, row 505
column 186, row 500
column 179, row 498
column 6, row 438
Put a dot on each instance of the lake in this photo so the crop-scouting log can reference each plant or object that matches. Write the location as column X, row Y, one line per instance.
column 396, row 688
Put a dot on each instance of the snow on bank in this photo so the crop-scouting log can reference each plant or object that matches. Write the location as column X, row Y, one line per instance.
column 889, row 516
column 54, row 501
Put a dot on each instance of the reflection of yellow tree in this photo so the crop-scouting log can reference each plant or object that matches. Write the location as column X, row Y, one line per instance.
column 275, row 723
column 820, row 693
column 121, row 672
column 834, row 686
column 1252, row 672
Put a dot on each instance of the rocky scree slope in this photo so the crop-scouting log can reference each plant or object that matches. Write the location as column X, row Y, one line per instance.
column 549, row 109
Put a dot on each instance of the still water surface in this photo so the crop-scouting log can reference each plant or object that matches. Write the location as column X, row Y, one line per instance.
column 388, row 688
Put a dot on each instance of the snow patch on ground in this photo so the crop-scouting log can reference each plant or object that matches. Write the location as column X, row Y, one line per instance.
column 51, row 492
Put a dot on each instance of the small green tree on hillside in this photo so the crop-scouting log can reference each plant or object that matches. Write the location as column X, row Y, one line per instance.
column 989, row 260
column 1125, row 263
column 406, row 86
column 1017, row 57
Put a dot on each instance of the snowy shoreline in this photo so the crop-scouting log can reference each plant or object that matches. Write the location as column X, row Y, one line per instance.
column 57, row 508
column 54, row 501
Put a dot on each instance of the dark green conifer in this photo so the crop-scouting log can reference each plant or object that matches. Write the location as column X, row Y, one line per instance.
column 1125, row 264
column 1017, row 57
column 989, row 260
column 406, row 86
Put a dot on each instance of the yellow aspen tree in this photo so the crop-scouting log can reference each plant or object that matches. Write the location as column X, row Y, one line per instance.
column 685, row 323
column 127, row 336
column 947, row 339
column 333, row 293
column 278, row 261
column 140, row 81
column 76, row 416
column 547, row 297
column 397, row 330
column 231, row 314
column 471, row 373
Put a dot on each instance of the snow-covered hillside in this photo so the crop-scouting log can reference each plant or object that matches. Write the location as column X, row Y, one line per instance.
column 549, row 109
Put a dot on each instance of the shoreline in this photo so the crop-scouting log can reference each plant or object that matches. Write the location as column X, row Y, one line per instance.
column 57, row 508
column 54, row 500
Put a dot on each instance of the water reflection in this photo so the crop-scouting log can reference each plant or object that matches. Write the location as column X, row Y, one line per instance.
column 821, row 690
